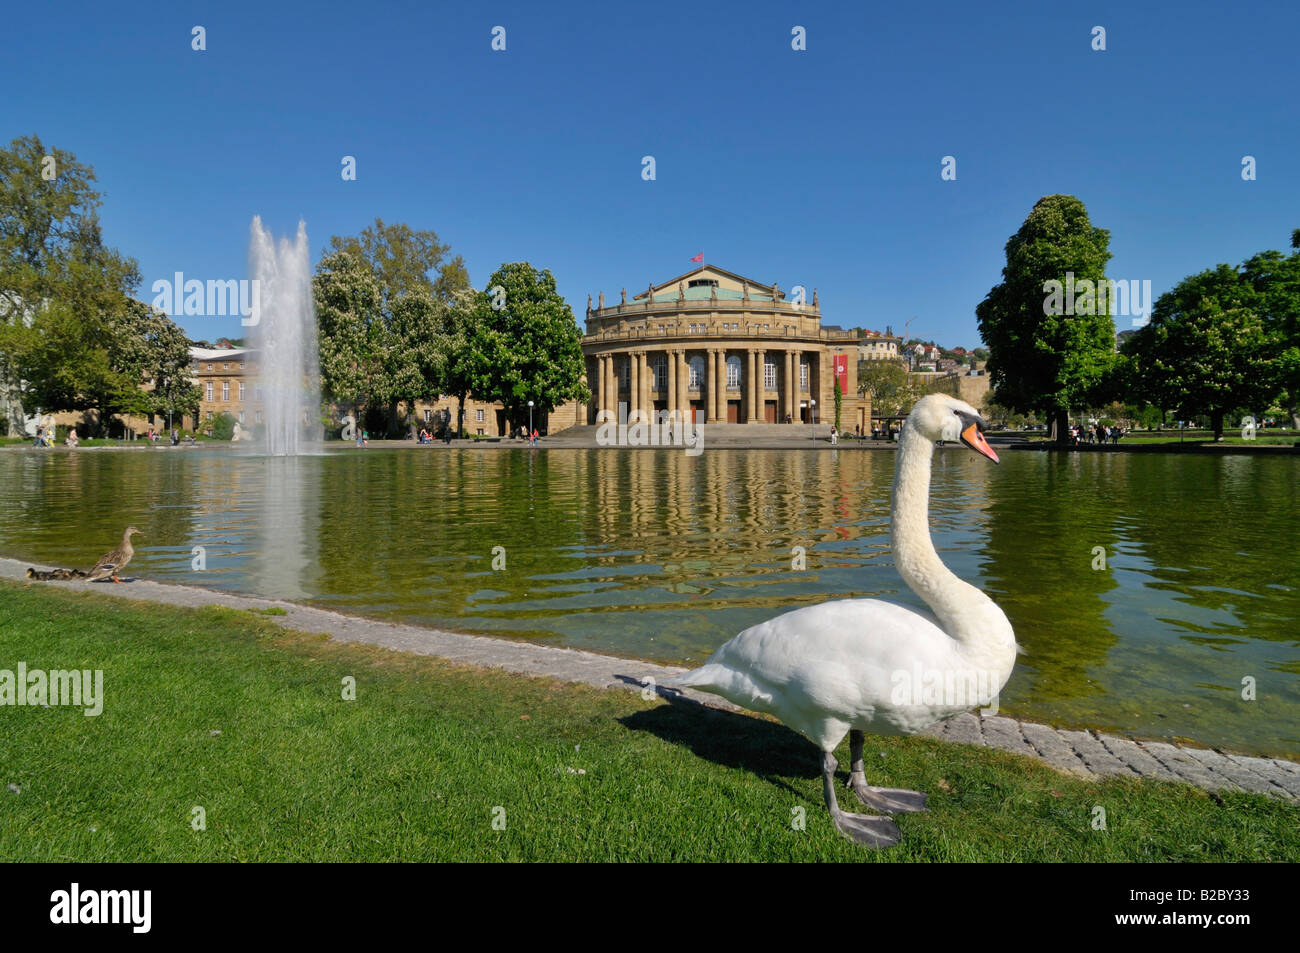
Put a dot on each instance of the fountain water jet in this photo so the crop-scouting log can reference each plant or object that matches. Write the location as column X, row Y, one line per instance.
column 284, row 333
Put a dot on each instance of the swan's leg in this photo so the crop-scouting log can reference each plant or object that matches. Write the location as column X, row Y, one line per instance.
column 889, row 800
column 865, row 829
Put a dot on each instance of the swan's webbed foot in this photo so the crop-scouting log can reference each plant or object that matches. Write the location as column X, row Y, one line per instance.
column 866, row 829
column 889, row 800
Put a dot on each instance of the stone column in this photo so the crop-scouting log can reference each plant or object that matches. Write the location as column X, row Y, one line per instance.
column 634, row 385
column 647, row 385
column 672, row 382
column 761, row 383
column 706, row 389
column 795, row 358
column 611, row 385
column 684, row 386
column 787, row 390
column 751, row 406
column 711, row 389
column 600, row 384
column 722, row 386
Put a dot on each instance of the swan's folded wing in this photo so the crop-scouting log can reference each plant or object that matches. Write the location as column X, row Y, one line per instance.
column 842, row 656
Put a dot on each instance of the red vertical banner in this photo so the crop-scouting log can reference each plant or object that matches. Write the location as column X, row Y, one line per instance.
column 842, row 372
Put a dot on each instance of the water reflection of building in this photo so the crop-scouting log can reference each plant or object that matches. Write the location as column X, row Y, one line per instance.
column 723, row 349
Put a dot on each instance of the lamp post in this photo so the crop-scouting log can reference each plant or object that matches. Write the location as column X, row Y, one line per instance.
column 530, row 421
column 812, row 413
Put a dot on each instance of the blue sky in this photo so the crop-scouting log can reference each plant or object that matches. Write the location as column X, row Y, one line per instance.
column 819, row 168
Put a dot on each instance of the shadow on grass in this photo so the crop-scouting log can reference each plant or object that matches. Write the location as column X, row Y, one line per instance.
column 765, row 749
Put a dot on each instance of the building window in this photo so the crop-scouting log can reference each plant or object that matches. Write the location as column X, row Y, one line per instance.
column 769, row 376
column 209, row 367
column 478, row 417
column 692, row 329
column 803, row 376
column 624, row 372
column 225, row 367
column 258, row 392
column 733, row 371
column 428, row 416
column 209, row 415
column 696, row 372
column 480, row 431
column 225, row 390
column 209, row 390
column 241, row 390
column 259, row 417
column 241, row 418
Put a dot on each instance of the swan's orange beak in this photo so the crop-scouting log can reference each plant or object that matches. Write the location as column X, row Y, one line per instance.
column 974, row 438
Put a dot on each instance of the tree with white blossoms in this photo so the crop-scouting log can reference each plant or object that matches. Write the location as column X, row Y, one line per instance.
column 385, row 340
column 350, row 331
column 417, row 365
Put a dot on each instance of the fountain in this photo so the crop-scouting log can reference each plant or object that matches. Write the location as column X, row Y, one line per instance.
column 284, row 334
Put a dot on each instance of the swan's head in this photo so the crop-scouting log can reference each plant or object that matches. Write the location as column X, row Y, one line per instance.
column 940, row 417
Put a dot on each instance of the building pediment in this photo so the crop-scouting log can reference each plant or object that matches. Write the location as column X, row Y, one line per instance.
column 708, row 281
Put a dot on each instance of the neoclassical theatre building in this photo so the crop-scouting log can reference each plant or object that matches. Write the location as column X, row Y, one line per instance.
column 725, row 348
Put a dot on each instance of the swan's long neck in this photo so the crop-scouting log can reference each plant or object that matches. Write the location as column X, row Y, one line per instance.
column 969, row 616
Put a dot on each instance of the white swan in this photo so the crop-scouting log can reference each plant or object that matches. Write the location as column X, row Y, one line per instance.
column 862, row 665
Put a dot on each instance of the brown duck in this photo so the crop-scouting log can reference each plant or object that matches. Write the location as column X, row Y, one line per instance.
column 110, row 564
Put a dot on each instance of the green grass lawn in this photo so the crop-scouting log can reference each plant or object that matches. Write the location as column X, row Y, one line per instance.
column 222, row 709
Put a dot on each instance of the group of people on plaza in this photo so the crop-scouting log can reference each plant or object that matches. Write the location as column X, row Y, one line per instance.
column 45, row 437
column 426, row 436
column 1098, row 434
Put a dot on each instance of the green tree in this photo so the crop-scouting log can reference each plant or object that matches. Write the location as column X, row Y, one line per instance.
column 462, row 359
column 839, row 401
column 525, row 344
column 223, row 426
column 1206, row 350
column 350, row 331
column 1275, row 278
column 1047, row 353
column 395, row 348
column 889, row 385
column 401, row 259
column 64, row 295
column 418, row 361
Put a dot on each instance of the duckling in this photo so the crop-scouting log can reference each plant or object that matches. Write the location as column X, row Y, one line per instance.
column 55, row 573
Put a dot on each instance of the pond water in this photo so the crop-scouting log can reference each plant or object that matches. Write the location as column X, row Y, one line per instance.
column 659, row 555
